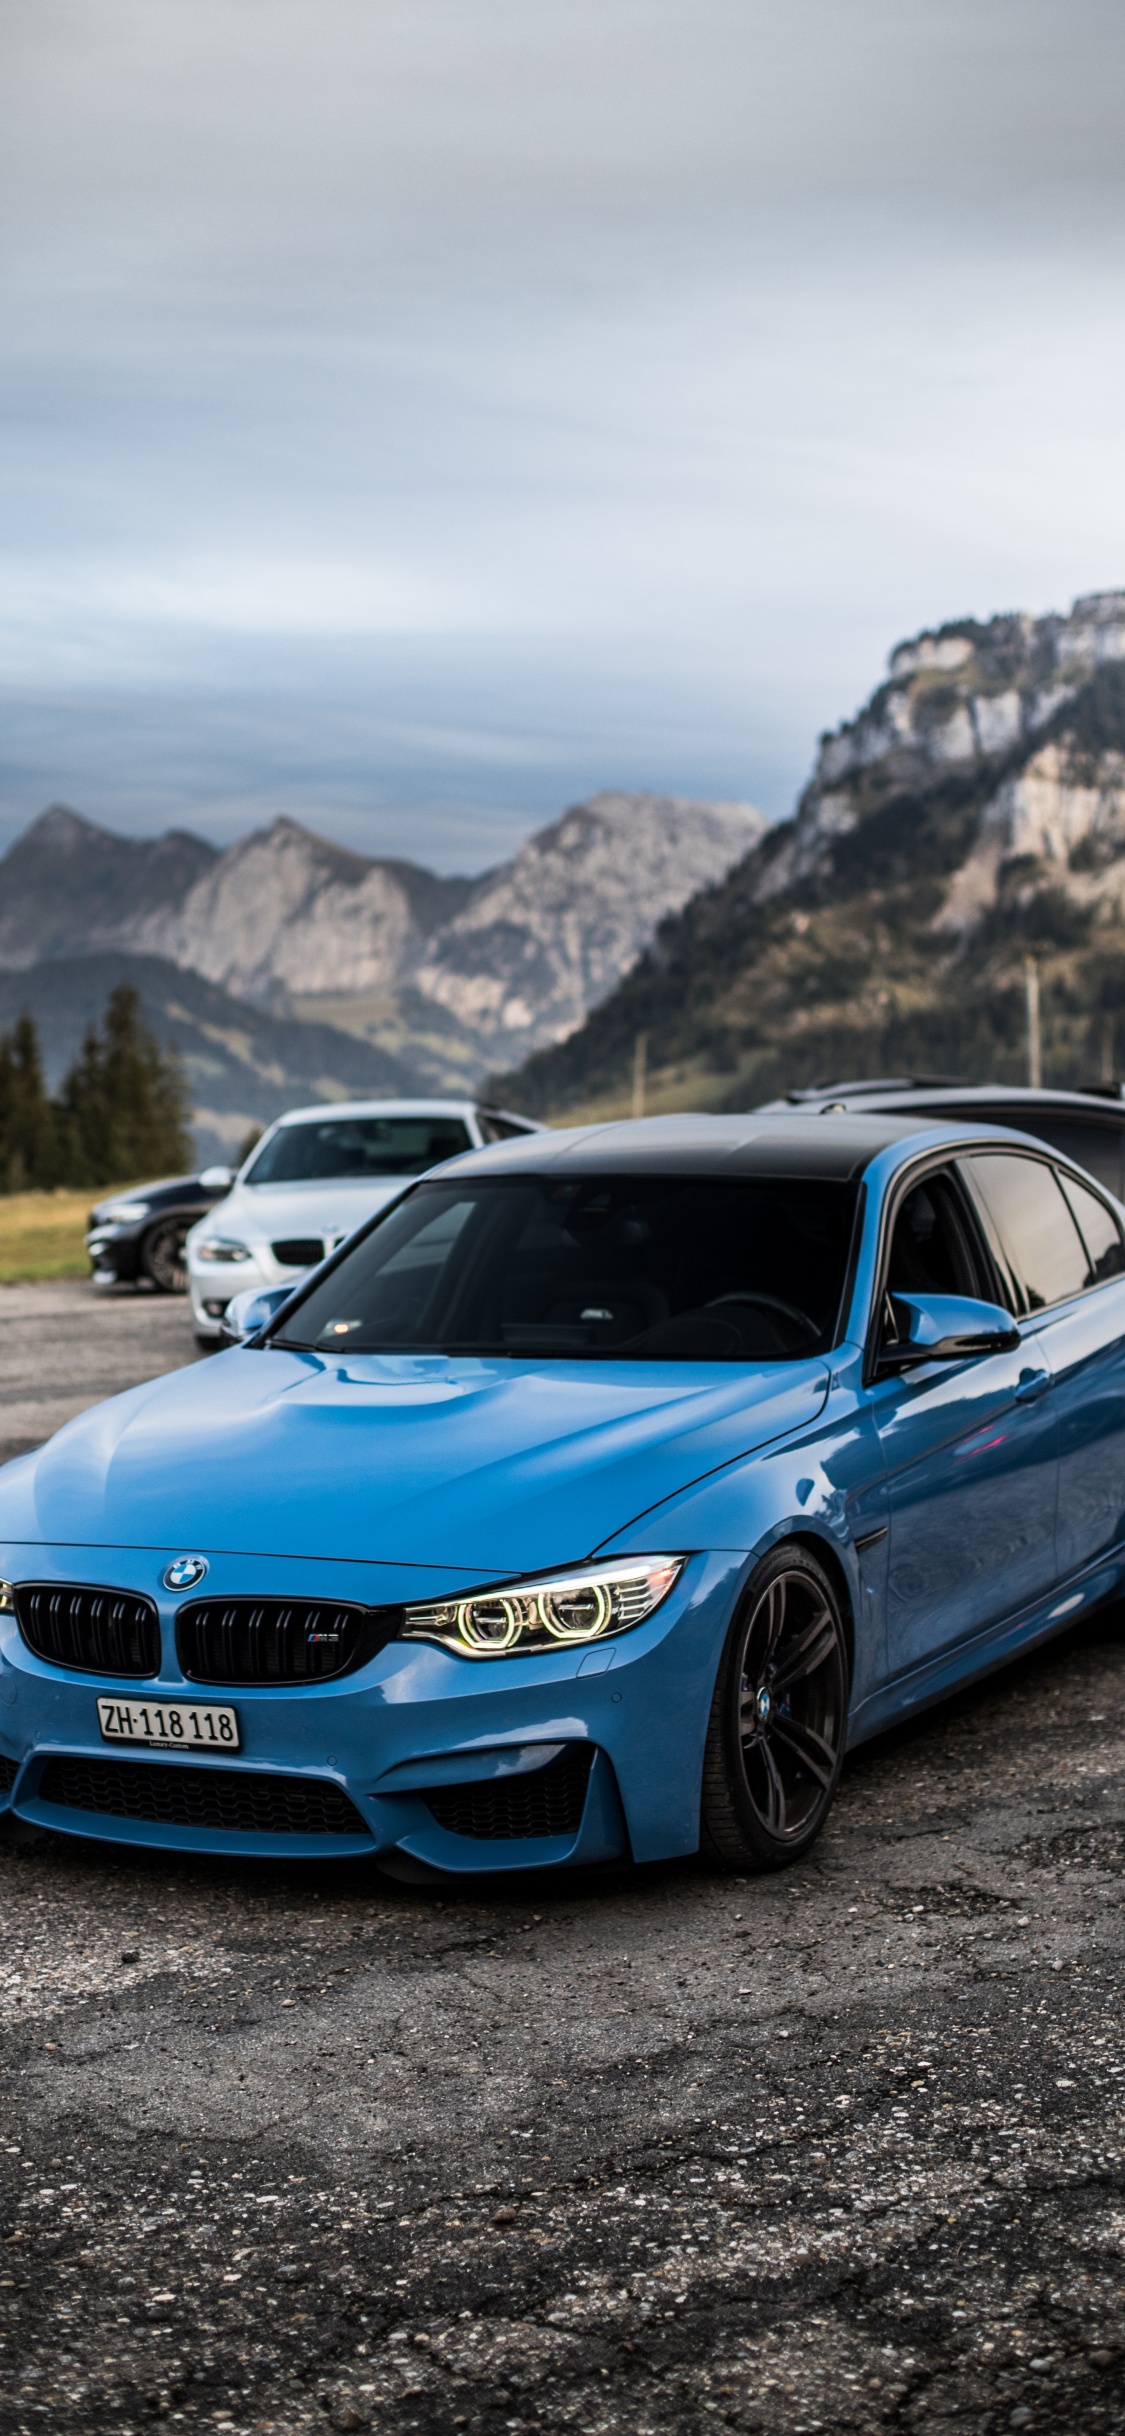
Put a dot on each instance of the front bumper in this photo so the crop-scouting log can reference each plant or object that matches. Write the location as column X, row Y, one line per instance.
column 416, row 1721
column 213, row 1284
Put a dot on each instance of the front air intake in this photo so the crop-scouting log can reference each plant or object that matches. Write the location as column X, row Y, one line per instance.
column 238, row 1801
column 100, row 1632
column 277, row 1640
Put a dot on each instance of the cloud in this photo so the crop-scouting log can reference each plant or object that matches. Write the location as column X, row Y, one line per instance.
column 605, row 382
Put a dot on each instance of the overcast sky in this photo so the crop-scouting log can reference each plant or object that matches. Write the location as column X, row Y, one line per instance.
column 419, row 413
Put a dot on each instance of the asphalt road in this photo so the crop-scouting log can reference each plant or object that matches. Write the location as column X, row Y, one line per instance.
column 843, row 2149
column 67, row 1345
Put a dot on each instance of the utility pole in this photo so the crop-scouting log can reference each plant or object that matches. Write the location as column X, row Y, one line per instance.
column 640, row 1062
column 1034, row 1049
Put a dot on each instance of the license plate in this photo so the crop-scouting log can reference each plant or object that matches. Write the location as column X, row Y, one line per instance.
column 169, row 1725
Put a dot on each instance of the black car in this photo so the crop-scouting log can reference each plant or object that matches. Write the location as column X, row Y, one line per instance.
column 138, row 1237
column 1086, row 1126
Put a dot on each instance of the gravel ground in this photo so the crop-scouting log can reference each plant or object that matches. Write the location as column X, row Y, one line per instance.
column 289, row 2148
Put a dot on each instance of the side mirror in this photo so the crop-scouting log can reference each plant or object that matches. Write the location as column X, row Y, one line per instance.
column 249, row 1311
column 945, row 1328
column 217, row 1179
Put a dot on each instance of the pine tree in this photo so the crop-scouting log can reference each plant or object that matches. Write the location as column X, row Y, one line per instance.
column 123, row 1109
column 29, row 1141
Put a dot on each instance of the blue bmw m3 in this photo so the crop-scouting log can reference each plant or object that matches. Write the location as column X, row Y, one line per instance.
column 589, row 1503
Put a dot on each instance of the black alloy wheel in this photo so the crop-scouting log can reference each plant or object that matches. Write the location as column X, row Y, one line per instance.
column 162, row 1255
column 775, row 1741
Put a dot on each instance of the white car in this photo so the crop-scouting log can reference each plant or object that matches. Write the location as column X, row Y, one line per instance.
column 312, row 1179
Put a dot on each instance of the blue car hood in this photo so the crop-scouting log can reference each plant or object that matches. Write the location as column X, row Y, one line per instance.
column 486, row 1467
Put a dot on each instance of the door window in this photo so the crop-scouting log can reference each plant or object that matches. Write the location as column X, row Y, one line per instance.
column 1099, row 1231
column 932, row 1249
column 1035, row 1239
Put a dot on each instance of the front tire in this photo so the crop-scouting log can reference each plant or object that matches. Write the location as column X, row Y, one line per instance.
column 162, row 1256
column 775, row 1741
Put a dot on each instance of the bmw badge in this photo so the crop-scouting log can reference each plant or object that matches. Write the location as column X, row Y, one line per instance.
column 184, row 1572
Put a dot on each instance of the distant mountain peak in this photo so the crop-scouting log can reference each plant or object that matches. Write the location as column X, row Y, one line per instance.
column 287, row 917
column 64, row 831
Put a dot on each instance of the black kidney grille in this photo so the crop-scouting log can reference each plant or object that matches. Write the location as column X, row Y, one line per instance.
column 549, row 1801
column 234, row 1799
column 9, row 1770
column 298, row 1251
column 276, row 1640
column 105, row 1632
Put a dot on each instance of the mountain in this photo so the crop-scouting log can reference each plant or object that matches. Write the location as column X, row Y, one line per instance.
column 67, row 886
column 244, row 1064
column 540, row 941
column 971, row 814
column 455, row 971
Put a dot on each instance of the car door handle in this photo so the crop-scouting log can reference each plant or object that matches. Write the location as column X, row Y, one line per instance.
column 1032, row 1383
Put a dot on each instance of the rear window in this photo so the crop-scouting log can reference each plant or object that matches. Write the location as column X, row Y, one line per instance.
column 1099, row 1231
column 1095, row 1144
column 1034, row 1233
column 663, row 1268
column 1097, row 1148
column 357, row 1146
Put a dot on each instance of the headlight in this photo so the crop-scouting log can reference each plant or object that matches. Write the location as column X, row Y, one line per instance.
column 222, row 1247
column 558, row 1612
column 7, row 1599
column 124, row 1213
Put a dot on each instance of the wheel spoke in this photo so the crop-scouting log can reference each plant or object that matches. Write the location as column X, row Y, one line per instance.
column 776, row 1601
column 775, row 1791
column 814, row 1645
column 811, row 1749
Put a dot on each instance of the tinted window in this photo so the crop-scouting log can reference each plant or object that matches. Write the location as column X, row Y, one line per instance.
column 1036, row 1239
column 931, row 1247
column 1099, row 1231
column 357, row 1146
column 664, row 1268
column 1096, row 1147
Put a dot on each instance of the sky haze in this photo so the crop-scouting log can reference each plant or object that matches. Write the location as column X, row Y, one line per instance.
column 420, row 413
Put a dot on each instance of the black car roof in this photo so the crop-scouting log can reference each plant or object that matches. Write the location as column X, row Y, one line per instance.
column 751, row 1145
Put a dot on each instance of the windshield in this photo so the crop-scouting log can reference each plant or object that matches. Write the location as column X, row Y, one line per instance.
column 649, row 1268
column 357, row 1146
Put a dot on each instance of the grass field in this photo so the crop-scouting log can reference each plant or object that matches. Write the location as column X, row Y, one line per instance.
column 43, row 1235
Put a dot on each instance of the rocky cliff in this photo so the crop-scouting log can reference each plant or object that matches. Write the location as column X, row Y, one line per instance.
column 972, row 812
column 470, row 971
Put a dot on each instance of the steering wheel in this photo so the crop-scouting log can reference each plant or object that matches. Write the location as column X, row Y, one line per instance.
column 769, row 1302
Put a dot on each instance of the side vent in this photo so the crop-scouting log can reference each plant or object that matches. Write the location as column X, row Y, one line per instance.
column 548, row 1801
